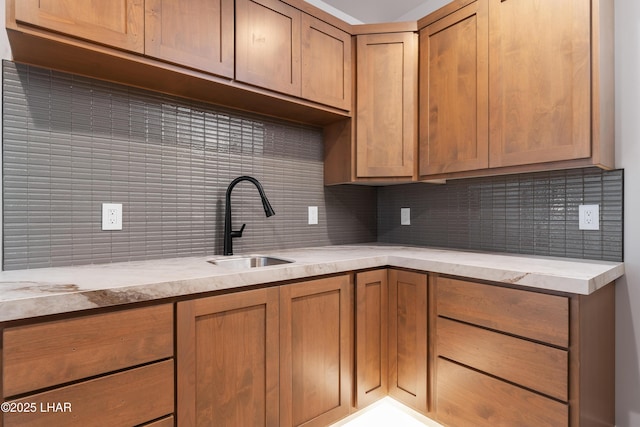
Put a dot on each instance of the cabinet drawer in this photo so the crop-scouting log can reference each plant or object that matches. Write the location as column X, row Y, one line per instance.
column 528, row 314
column 124, row 399
column 532, row 365
column 467, row 398
column 52, row 353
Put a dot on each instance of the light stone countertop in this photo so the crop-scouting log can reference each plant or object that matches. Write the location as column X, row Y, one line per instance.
column 45, row 291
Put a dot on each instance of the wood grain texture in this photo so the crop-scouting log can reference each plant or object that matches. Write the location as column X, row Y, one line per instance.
column 228, row 359
column 165, row 422
column 326, row 63
column 116, row 23
column 194, row 33
column 372, row 346
column 47, row 354
column 454, row 84
column 268, row 42
column 408, row 339
column 315, row 367
column 527, row 314
column 540, row 98
column 124, row 399
column 534, row 366
column 592, row 358
column 387, row 105
column 467, row 398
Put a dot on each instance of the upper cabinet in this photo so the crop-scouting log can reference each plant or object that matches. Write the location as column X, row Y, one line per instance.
column 326, row 63
column 454, row 83
column 116, row 23
column 379, row 144
column 283, row 59
column 386, row 110
column 495, row 99
column 281, row 48
column 540, row 98
column 192, row 33
column 268, row 45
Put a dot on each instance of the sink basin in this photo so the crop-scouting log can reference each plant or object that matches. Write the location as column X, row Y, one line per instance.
column 249, row 261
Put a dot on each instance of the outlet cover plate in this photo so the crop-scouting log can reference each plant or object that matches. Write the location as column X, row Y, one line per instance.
column 111, row 216
column 589, row 217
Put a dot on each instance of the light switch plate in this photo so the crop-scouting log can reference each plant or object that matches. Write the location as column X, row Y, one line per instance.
column 111, row 216
column 405, row 216
column 313, row 215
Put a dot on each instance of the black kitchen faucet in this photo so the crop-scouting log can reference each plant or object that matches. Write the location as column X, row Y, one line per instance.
column 229, row 234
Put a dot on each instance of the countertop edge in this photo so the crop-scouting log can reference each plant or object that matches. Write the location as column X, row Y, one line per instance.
column 67, row 298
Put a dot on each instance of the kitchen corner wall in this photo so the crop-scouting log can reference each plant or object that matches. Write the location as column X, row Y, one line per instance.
column 534, row 213
column 71, row 143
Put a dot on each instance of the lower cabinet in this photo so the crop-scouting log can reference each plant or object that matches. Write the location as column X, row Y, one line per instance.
column 278, row 356
column 227, row 359
column 514, row 357
column 315, row 351
column 113, row 369
column 372, row 344
column 408, row 339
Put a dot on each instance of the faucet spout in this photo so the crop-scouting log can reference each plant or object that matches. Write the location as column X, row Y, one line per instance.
column 229, row 233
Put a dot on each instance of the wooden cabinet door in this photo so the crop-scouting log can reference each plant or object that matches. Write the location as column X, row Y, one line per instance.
column 194, row 33
column 228, row 360
column 540, row 96
column 116, row 23
column 268, row 45
column 372, row 346
column 326, row 63
column 408, row 338
column 386, row 111
column 315, row 334
column 454, row 85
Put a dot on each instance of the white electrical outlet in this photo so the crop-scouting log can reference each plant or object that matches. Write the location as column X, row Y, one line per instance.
column 313, row 215
column 589, row 217
column 405, row 216
column 112, row 216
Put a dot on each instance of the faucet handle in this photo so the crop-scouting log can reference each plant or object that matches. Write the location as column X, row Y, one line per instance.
column 238, row 233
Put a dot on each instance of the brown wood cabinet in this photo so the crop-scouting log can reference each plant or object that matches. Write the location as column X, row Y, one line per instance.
column 454, row 84
column 379, row 144
column 408, row 339
column 315, row 351
column 326, row 63
column 194, row 33
column 507, row 356
column 117, row 23
column 112, row 368
column 281, row 48
column 543, row 102
column 228, row 349
column 268, row 45
column 386, row 111
column 372, row 344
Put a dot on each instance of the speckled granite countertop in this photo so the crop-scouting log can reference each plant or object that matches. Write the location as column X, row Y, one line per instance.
column 39, row 292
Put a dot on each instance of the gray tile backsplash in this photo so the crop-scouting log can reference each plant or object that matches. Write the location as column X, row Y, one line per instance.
column 71, row 143
column 533, row 213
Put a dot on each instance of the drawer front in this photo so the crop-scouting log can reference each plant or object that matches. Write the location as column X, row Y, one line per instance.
column 52, row 353
column 528, row 314
column 124, row 399
column 467, row 398
column 532, row 365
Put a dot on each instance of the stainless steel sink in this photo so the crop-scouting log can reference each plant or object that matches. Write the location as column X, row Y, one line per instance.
column 249, row 261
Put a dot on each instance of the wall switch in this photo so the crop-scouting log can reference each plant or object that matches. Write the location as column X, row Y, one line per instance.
column 313, row 215
column 112, row 216
column 589, row 217
column 405, row 216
